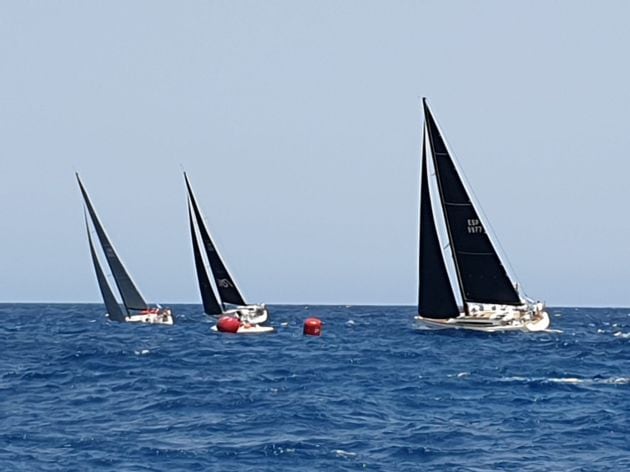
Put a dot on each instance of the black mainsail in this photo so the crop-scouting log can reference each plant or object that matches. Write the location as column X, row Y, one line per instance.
column 128, row 291
column 482, row 276
column 435, row 295
column 228, row 292
column 111, row 304
column 210, row 304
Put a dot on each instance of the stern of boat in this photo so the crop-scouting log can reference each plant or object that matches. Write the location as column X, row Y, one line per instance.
column 153, row 316
column 541, row 322
column 253, row 314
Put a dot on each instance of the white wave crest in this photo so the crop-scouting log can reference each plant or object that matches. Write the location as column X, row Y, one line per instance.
column 342, row 453
column 570, row 380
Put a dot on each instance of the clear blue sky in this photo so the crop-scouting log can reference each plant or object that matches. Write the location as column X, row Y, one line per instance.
column 299, row 125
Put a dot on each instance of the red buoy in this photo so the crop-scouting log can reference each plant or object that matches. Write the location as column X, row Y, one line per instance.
column 228, row 324
column 313, row 327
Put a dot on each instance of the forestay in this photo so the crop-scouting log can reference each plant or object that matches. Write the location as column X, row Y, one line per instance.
column 481, row 273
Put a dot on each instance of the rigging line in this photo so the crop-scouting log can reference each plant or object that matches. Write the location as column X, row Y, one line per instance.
column 100, row 228
column 213, row 240
column 492, row 235
column 428, row 116
column 439, row 218
column 92, row 235
column 204, row 255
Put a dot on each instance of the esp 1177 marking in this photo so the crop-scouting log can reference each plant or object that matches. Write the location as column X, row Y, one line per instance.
column 474, row 226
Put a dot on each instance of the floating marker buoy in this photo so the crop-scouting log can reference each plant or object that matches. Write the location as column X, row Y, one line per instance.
column 228, row 324
column 312, row 327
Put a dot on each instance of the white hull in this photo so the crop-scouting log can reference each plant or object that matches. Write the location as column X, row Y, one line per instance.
column 489, row 322
column 541, row 324
column 252, row 314
column 251, row 329
column 251, row 317
column 164, row 317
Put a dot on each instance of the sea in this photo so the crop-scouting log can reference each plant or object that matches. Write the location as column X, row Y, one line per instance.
column 373, row 393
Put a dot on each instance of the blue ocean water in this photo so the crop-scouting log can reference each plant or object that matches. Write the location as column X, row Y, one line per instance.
column 80, row 393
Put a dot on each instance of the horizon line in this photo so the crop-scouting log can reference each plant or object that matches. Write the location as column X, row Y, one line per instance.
column 287, row 304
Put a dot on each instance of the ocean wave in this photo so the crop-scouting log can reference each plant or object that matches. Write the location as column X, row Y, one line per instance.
column 372, row 394
column 568, row 380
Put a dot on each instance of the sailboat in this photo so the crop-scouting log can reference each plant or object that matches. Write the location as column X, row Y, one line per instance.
column 229, row 302
column 491, row 299
column 134, row 308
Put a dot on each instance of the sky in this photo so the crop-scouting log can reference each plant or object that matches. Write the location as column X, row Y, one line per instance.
column 299, row 125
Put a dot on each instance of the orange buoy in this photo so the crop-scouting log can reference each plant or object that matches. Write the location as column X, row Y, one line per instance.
column 313, row 327
column 228, row 324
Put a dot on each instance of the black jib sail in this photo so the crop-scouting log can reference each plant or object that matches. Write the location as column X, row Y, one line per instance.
column 435, row 295
column 228, row 292
column 113, row 308
column 128, row 291
column 481, row 274
column 210, row 304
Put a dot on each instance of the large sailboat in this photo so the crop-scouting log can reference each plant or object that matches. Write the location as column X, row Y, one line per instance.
column 490, row 299
column 134, row 308
column 229, row 301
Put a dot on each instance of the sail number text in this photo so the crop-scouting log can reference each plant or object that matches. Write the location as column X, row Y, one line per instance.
column 474, row 226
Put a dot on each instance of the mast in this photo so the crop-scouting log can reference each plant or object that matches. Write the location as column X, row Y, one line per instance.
column 435, row 294
column 228, row 291
column 210, row 304
column 111, row 305
column 427, row 114
column 480, row 272
column 128, row 291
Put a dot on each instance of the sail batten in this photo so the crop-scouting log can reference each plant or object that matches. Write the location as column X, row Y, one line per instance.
column 132, row 300
column 211, row 305
column 435, row 295
column 228, row 291
column 481, row 274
